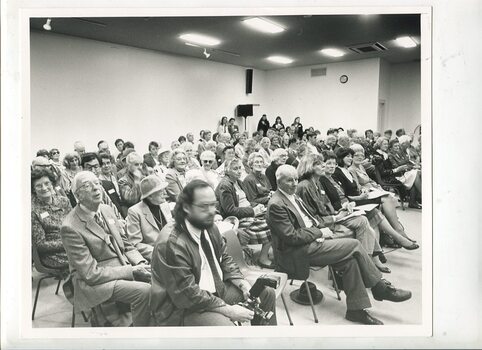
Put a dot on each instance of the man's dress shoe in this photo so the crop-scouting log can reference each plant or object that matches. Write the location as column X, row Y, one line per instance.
column 363, row 317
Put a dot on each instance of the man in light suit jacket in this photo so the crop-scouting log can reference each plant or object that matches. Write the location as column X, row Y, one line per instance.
column 146, row 219
column 299, row 241
column 103, row 264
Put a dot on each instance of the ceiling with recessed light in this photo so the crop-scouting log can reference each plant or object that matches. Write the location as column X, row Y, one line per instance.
column 301, row 41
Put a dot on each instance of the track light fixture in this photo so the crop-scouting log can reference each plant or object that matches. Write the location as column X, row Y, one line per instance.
column 206, row 53
column 47, row 24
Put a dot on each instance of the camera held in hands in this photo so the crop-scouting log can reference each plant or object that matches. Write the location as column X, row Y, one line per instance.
column 258, row 287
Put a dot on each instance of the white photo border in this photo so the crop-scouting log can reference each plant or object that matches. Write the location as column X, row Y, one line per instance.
column 23, row 239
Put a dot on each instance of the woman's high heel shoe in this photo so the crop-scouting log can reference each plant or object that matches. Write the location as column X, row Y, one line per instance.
column 412, row 246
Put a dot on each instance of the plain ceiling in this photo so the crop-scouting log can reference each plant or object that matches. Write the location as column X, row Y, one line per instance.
column 243, row 46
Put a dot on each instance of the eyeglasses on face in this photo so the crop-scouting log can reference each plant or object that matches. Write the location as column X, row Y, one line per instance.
column 90, row 167
column 90, row 185
column 208, row 161
column 55, row 152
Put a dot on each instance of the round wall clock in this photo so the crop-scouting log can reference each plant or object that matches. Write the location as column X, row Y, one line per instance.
column 343, row 79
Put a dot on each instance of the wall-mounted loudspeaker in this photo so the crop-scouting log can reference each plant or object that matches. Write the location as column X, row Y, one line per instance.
column 249, row 81
column 244, row 110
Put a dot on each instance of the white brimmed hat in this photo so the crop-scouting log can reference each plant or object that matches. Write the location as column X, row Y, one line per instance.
column 151, row 184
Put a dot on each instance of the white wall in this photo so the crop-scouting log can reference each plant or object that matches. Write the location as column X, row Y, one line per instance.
column 405, row 101
column 89, row 90
column 383, row 95
column 323, row 102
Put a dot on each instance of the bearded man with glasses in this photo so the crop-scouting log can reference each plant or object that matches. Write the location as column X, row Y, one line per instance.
column 194, row 281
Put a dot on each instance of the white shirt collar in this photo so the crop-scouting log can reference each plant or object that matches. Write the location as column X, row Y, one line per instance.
column 194, row 231
column 89, row 212
column 289, row 196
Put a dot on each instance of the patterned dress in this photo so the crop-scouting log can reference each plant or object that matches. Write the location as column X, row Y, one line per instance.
column 46, row 222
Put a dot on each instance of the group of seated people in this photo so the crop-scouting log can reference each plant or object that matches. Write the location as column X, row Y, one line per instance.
column 143, row 230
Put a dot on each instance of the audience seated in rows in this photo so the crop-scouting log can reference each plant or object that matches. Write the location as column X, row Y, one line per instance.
column 233, row 201
column 104, row 265
column 299, row 243
column 244, row 184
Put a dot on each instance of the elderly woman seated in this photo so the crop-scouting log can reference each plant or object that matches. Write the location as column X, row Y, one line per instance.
column 317, row 203
column 233, row 202
column 265, row 150
column 256, row 184
column 366, row 184
column 399, row 155
column 175, row 175
column 339, row 198
column 192, row 162
column 205, row 173
column 48, row 212
column 395, row 170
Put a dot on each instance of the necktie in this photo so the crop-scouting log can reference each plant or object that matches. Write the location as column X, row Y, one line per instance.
column 218, row 283
column 100, row 221
column 306, row 212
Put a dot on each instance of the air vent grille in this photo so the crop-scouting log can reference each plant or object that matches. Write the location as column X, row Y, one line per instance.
column 318, row 72
column 367, row 48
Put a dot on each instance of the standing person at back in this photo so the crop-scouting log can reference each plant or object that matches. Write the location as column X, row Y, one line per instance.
column 263, row 125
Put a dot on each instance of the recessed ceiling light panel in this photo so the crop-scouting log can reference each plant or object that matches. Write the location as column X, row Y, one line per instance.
column 406, row 42
column 280, row 59
column 200, row 39
column 263, row 25
column 332, row 52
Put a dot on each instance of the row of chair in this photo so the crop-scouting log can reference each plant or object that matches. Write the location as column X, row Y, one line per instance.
column 234, row 250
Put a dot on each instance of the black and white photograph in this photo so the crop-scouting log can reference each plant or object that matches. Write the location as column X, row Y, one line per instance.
column 300, row 136
column 257, row 169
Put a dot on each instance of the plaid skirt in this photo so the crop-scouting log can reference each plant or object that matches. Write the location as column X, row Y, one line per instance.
column 253, row 231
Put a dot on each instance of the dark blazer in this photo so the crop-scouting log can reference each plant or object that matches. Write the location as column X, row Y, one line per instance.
column 228, row 200
column 114, row 196
column 94, row 264
column 263, row 125
column 149, row 159
column 331, row 192
column 176, row 271
column 349, row 187
column 257, row 188
column 316, row 202
column 271, row 174
column 290, row 237
column 385, row 169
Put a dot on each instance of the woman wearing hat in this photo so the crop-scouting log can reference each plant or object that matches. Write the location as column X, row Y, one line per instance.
column 164, row 157
column 146, row 219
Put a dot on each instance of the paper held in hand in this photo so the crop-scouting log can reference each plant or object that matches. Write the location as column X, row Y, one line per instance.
column 355, row 213
column 377, row 193
column 366, row 207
